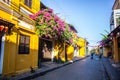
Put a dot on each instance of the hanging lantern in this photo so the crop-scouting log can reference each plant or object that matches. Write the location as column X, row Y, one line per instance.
column 6, row 29
column 118, row 33
column 1, row 27
column 111, row 38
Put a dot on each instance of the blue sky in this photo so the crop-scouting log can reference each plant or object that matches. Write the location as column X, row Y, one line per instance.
column 89, row 17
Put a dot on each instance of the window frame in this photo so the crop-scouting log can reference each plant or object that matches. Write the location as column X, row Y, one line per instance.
column 8, row 2
column 24, row 44
column 28, row 3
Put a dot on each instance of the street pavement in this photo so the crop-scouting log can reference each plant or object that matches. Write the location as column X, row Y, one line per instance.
column 86, row 69
column 45, row 68
column 112, row 69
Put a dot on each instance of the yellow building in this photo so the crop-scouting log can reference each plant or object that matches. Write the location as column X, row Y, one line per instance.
column 59, row 50
column 19, row 44
column 77, row 49
column 69, row 51
column 82, row 46
column 106, row 49
column 70, row 48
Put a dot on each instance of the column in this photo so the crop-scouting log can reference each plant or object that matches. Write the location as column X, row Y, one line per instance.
column 115, row 49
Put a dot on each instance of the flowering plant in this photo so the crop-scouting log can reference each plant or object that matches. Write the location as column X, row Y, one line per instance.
column 49, row 25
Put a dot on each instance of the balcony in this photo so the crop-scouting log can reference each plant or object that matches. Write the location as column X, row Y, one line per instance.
column 17, row 13
column 115, row 19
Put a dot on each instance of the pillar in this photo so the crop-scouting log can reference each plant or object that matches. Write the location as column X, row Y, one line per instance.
column 115, row 50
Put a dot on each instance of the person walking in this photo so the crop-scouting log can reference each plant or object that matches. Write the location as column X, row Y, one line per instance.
column 100, row 56
column 92, row 55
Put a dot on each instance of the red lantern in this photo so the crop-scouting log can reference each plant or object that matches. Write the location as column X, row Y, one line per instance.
column 6, row 29
column 1, row 27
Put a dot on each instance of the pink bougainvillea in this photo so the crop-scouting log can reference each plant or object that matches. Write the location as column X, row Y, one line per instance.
column 50, row 25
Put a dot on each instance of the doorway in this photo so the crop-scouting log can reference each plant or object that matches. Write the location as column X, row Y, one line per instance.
column 0, row 55
column 45, row 51
column 5, row 27
column 2, row 38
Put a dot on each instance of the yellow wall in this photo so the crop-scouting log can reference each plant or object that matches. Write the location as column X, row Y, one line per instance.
column 82, row 43
column 10, row 45
column 25, row 61
column 62, row 55
column 82, row 52
column 105, row 51
column 59, row 50
column 70, row 52
column 14, row 62
column 9, row 54
column 34, row 8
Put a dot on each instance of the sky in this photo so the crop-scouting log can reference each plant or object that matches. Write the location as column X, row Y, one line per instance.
column 89, row 17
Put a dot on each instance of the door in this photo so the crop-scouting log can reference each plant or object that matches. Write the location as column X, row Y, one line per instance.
column 0, row 56
column 2, row 39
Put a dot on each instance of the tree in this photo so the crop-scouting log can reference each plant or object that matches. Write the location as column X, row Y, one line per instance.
column 104, row 38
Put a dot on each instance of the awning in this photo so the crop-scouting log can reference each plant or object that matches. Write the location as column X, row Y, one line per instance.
column 5, row 25
column 115, row 31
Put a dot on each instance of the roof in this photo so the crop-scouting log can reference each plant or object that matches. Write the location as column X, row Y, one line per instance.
column 115, row 3
column 42, row 6
column 72, row 28
column 117, row 29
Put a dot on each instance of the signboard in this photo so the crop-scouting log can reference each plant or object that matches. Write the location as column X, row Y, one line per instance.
column 26, row 25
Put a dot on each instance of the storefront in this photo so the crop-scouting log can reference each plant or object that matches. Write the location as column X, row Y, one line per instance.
column 115, row 36
column 5, row 28
column 118, row 40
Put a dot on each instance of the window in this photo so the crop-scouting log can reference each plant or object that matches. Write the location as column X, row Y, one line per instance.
column 6, row 1
column 117, row 22
column 28, row 3
column 24, row 44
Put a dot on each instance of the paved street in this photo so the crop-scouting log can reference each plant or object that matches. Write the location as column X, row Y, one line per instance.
column 85, row 69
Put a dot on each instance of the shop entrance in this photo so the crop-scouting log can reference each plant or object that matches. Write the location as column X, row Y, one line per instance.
column 5, row 27
column 2, row 32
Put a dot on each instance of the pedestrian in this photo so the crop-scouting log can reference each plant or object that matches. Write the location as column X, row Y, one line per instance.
column 92, row 55
column 100, row 56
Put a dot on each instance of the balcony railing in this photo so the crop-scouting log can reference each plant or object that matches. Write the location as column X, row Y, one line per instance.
column 115, row 19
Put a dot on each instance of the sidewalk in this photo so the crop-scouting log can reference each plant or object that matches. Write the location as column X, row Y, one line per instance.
column 112, row 71
column 46, row 67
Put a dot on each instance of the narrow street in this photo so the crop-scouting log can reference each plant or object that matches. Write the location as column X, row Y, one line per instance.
column 59, row 40
column 85, row 69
